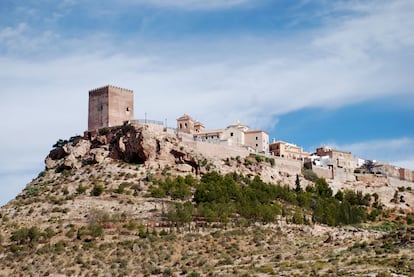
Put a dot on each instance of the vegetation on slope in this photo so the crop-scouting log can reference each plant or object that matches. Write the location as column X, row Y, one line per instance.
column 112, row 241
column 219, row 198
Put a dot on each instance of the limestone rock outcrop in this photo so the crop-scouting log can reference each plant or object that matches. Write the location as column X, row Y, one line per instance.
column 142, row 144
column 135, row 145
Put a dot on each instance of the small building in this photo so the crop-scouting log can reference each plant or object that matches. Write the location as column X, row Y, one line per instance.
column 392, row 171
column 341, row 159
column 359, row 162
column 210, row 136
column 236, row 134
column 233, row 134
column 287, row 150
column 257, row 140
column 110, row 106
column 405, row 174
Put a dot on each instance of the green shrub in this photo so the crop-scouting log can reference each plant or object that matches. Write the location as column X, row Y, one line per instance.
column 121, row 188
column 104, row 131
column 96, row 230
column 97, row 190
column 247, row 162
column 59, row 247
column 298, row 216
column 131, row 225
column 42, row 174
column 20, row 235
column 177, row 188
column 34, row 234
column 81, row 189
column 142, row 232
column 181, row 213
column 60, row 143
column 258, row 158
column 309, row 175
column 26, row 235
column 339, row 195
column 409, row 219
column 267, row 269
column 322, row 188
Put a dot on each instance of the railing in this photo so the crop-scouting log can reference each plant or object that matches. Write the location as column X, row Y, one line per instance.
column 149, row 121
column 154, row 122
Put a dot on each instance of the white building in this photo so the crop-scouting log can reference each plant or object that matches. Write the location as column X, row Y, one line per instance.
column 236, row 134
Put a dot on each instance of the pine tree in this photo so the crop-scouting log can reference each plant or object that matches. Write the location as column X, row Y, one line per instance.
column 297, row 183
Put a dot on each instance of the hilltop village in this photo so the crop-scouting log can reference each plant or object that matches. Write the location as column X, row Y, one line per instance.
column 137, row 198
column 111, row 106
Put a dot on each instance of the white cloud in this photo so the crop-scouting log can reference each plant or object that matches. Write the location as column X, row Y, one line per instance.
column 23, row 39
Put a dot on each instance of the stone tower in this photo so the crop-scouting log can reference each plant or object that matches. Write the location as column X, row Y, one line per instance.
column 110, row 106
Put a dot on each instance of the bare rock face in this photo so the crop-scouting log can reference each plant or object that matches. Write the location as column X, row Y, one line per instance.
column 71, row 162
column 51, row 163
column 138, row 144
column 80, row 149
column 135, row 145
column 98, row 155
column 186, row 168
column 68, row 156
column 57, row 154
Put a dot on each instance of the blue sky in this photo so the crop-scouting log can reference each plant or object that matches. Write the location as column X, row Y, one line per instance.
column 313, row 73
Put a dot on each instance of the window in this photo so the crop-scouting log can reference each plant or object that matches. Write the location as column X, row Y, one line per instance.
column 257, row 145
column 231, row 134
column 127, row 109
column 181, row 125
column 185, row 124
column 257, row 138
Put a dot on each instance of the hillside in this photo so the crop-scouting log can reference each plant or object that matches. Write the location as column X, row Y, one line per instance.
column 138, row 200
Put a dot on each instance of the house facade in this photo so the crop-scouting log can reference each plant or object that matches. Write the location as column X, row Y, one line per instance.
column 236, row 134
column 257, row 140
column 287, row 150
column 340, row 159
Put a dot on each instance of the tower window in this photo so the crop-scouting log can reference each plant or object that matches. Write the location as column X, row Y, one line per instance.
column 127, row 109
column 231, row 134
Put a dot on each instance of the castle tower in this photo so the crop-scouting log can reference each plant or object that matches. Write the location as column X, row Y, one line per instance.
column 110, row 106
